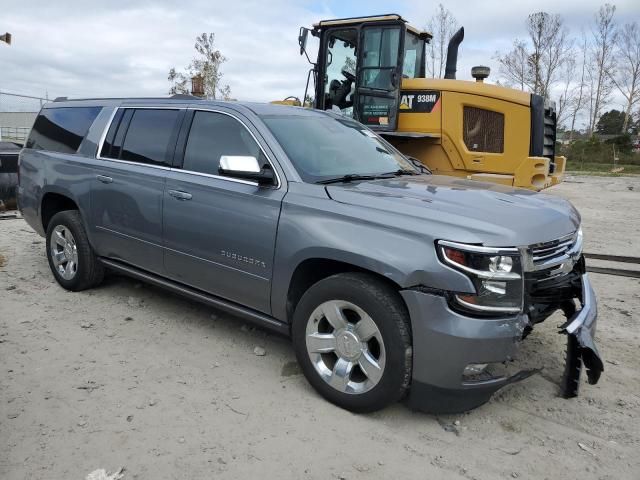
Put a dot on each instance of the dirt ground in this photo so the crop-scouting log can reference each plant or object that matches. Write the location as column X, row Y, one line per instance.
column 127, row 375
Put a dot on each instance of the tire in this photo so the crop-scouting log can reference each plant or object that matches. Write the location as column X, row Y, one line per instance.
column 370, row 327
column 80, row 266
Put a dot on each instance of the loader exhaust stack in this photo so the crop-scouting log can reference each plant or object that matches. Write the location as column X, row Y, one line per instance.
column 452, row 54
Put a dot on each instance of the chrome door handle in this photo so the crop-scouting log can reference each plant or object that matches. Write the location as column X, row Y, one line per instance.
column 104, row 179
column 180, row 195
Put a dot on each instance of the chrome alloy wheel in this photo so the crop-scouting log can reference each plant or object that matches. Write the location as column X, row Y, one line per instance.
column 64, row 252
column 345, row 347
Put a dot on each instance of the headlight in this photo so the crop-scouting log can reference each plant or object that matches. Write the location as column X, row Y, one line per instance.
column 496, row 274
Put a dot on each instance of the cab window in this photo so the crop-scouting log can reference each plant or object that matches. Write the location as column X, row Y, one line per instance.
column 413, row 56
column 341, row 70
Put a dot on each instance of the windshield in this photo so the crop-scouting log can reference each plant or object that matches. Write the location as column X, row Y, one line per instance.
column 323, row 147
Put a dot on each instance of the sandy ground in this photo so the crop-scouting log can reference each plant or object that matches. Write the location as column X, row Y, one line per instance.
column 128, row 375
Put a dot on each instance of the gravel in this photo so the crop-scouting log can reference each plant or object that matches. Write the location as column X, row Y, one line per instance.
column 261, row 419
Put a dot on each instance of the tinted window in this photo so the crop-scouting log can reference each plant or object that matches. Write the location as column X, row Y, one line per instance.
column 150, row 136
column 107, row 146
column 483, row 130
column 61, row 129
column 327, row 146
column 212, row 136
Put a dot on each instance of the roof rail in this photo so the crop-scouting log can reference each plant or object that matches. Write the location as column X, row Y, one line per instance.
column 184, row 96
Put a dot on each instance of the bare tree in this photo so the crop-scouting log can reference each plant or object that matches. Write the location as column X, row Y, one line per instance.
column 514, row 66
column 536, row 65
column 442, row 26
column 601, row 62
column 568, row 93
column 206, row 63
column 580, row 95
column 627, row 77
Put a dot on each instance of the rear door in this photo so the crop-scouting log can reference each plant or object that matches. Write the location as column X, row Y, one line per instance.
column 128, row 185
column 379, row 75
column 220, row 232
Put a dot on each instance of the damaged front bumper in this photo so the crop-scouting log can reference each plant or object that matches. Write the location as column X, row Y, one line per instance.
column 446, row 343
column 581, row 347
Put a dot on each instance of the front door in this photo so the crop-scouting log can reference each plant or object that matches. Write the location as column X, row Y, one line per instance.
column 379, row 77
column 220, row 232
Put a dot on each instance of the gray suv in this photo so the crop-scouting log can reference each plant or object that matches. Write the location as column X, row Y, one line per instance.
column 389, row 280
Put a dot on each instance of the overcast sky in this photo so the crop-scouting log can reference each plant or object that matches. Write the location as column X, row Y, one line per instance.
column 125, row 48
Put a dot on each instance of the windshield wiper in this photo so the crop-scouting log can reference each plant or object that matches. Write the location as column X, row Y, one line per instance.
column 354, row 177
column 401, row 171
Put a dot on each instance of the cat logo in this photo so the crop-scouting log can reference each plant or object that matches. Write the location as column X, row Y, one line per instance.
column 406, row 103
column 419, row 101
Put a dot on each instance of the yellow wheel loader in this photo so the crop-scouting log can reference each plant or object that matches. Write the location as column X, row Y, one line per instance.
column 373, row 69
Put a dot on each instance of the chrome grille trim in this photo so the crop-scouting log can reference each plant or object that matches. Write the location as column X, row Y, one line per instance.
column 547, row 255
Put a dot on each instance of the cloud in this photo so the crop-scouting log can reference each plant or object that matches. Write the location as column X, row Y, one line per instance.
column 125, row 48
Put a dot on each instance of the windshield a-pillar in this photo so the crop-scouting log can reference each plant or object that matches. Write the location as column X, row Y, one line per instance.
column 340, row 70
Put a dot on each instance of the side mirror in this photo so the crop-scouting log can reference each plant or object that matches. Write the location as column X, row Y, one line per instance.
column 246, row 168
column 302, row 39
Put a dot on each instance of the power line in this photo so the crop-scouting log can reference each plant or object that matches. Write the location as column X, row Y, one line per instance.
column 22, row 96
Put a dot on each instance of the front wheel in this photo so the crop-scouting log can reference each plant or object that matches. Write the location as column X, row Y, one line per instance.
column 352, row 339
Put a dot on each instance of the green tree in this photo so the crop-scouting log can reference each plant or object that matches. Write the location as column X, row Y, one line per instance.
column 610, row 123
column 206, row 63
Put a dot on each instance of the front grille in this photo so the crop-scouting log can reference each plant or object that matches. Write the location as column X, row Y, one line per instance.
column 541, row 288
column 548, row 251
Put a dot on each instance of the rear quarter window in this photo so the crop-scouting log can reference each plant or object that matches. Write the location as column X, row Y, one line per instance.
column 61, row 129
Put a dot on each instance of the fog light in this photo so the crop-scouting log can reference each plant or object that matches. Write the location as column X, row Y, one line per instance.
column 474, row 369
column 495, row 287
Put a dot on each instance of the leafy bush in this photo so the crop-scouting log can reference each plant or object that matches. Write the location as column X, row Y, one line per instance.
column 594, row 152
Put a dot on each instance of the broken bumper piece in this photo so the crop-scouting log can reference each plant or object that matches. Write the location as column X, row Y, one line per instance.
column 447, row 344
column 581, row 348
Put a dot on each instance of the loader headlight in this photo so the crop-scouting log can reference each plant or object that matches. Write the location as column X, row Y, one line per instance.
column 496, row 274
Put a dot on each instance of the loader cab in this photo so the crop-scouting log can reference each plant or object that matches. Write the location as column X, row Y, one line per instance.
column 360, row 66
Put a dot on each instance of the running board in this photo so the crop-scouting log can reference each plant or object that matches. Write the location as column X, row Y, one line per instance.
column 248, row 314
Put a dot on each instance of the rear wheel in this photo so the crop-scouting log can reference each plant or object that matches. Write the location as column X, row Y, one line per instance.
column 71, row 258
column 352, row 339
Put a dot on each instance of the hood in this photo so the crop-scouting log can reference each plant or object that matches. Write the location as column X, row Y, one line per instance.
column 463, row 210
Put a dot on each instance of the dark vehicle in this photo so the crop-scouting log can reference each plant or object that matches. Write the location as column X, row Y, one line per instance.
column 9, row 152
column 389, row 281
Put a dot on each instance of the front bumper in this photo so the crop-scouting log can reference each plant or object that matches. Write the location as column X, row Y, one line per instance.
column 445, row 342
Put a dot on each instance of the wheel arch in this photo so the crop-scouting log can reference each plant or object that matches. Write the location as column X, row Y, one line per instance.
column 312, row 269
column 54, row 201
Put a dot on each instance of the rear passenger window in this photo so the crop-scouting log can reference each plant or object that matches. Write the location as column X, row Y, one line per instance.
column 142, row 135
column 149, row 136
column 61, row 129
column 213, row 135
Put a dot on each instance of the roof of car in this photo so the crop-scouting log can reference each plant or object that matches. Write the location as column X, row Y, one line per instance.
column 184, row 100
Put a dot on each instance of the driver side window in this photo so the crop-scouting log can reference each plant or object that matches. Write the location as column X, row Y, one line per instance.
column 341, row 70
column 212, row 136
